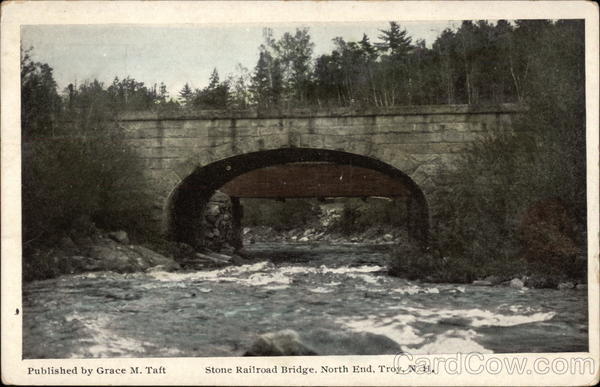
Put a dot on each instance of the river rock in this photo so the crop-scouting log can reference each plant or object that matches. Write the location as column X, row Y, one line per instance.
column 494, row 279
column 581, row 287
column 158, row 268
column 151, row 258
column 211, row 259
column 119, row 236
column 566, row 285
column 111, row 259
column 213, row 210
column 67, row 243
column 539, row 282
column 83, row 241
column 482, row 283
column 337, row 342
column 516, row 283
column 83, row 264
column 282, row 343
column 321, row 341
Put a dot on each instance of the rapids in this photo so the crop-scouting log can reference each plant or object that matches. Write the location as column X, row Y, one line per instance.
column 290, row 286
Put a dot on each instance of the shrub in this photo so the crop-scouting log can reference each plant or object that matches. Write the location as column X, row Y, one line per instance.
column 282, row 216
column 65, row 178
column 358, row 215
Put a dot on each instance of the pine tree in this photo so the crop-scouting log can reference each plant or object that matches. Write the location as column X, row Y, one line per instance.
column 213, row 81
column 186, row 94
column 262, row 82
column 395, row 41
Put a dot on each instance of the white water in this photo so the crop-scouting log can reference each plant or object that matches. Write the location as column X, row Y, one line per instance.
column 337, row 289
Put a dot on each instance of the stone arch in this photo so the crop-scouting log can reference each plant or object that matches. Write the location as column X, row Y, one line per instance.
column 190, row 197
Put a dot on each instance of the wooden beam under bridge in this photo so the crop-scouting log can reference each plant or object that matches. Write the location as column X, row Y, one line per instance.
column 314, row 180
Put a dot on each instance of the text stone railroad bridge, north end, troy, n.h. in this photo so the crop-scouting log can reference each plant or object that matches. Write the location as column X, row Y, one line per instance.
column 392, row 152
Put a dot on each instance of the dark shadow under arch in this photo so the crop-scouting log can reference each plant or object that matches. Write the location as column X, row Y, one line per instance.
column 191, row 196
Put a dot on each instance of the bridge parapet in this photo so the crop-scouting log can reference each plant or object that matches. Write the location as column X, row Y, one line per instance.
column 203, row 114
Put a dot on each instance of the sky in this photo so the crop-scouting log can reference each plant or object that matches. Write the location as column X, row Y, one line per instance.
column 179, row 54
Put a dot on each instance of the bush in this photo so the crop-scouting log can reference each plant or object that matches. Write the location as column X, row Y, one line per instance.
column 65, row 178
column 282, row 216
column 358, row 215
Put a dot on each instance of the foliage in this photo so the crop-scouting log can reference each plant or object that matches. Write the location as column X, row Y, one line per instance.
column 505, row 173
column 358, row 215
column 77, row 163
column 293, row 213
column 39, row 100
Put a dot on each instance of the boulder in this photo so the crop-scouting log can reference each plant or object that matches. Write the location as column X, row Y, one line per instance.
column 151, row 258
column 83, row 241
column 541, row 282
column 67, row 243
column 337, row 342
column 516, row 283
column 111, row 259
column 213, row 209
column 205, row 258
column 222, row 257
column 566, row 285
column 159, row 268
column 281, row 343
column 83, row 264
column 322, row 341
column 119, row 236
column 494, row 279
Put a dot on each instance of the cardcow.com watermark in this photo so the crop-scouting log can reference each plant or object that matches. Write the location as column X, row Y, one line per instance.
column 475, row 363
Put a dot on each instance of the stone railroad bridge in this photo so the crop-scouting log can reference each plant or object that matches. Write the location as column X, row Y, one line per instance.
column 400, row 152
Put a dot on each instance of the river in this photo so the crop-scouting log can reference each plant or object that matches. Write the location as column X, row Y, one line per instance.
column 345, row 288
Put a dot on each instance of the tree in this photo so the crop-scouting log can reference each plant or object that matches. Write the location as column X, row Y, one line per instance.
column 40, row 102
column 266, row 84
column 215, row 95
column 295, row 55
column 239, row 88
column 289, row 61
column 86, row 168
column 394, row 41
column 186, row 94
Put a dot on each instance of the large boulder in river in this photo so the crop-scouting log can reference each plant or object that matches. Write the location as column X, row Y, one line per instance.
column 112, row 259
column 281, row 343
column 322, row 342
column 152, row 258
column 112, row 256
column 119, row 236
column 336, row 342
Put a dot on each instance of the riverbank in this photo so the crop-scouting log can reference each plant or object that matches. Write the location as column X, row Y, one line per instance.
column 98, row 250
